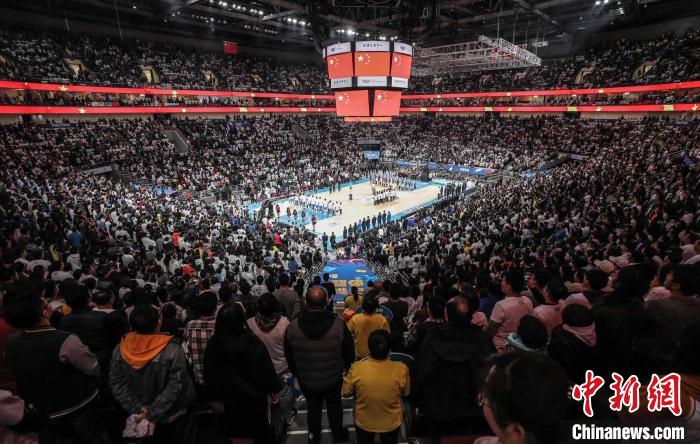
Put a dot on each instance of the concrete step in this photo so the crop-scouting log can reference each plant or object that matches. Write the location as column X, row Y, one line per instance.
column 298, row 433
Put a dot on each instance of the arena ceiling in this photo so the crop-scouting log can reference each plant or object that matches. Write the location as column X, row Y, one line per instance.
column 305, row 24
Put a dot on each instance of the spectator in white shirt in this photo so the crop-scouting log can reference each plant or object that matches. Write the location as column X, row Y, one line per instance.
column 38, row 259
column 73, row 259
column 259, row 288
column 58, row 273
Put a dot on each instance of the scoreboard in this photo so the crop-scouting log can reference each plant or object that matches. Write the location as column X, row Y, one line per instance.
column 368, row 76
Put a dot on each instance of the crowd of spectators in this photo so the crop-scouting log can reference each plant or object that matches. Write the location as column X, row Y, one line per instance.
column 31, row 54
column 664, row 59
column 151, row 299
column 512, row 291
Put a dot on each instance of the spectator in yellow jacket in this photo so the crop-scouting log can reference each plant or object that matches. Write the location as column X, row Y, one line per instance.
column 378, row 385
column 363, row 324
column 354, row 300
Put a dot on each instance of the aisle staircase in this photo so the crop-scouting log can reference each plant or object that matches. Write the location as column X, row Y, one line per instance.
column 301, row 132
column 174, row 135
column 299, row 431
column 385, row 273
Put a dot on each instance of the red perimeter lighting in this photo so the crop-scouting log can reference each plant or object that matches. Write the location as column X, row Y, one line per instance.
column 84, row 89
column 22, row 109
column 367, row 119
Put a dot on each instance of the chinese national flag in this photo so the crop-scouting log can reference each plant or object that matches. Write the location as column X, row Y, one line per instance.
column 230, row 48
column 372, row 63
column 387, row 103
column 339, row 65
column 401, row 65
column 352, row 103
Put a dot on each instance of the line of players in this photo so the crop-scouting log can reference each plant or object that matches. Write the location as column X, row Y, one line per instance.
column 453, row 189
column 367, row 223
column 392, row 180
column 295, row 215
column 383, row 196
column 316, row 205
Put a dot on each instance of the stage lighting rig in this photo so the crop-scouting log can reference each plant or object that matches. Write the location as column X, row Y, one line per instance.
column 482, row 55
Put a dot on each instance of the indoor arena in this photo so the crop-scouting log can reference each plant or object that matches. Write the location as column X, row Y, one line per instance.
column 349, row 221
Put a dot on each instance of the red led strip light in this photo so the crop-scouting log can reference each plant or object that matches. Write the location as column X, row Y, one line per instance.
column 560, row 92
column 6, row 84
column 12, row 109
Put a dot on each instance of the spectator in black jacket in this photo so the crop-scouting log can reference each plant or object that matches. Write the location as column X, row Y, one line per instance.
column 239, row 373
column 573, row 343
column 53, row 369
column 436, row 317
column 318, row 348
column 89, row 325
column 330, row 287
column 448, row 371
column 619, row 320
column 669, row 317
column 399, row 309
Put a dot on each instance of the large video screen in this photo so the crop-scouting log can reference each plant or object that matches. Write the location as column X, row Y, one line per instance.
column 369, row 63
column 401, row 65
column 386, row 103
column 339, row 65
column 352, row 103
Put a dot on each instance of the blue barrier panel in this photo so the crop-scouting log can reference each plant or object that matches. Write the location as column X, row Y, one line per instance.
column 348, row 273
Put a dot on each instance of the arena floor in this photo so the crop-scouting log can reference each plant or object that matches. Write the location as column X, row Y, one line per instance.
column 361, row 205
